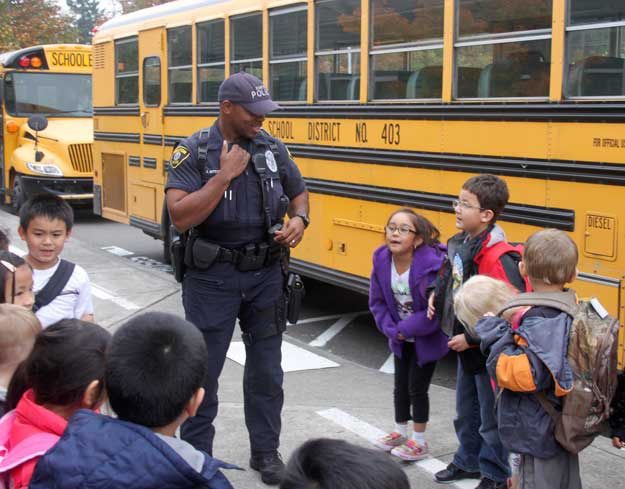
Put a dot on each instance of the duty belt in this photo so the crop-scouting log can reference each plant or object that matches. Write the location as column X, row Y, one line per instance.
column 252, row 256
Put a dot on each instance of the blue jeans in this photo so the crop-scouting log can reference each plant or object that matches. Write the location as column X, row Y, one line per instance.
column 476, row 427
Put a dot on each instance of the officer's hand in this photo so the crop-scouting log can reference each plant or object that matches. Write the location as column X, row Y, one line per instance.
column 291, row 233
column 233, row 162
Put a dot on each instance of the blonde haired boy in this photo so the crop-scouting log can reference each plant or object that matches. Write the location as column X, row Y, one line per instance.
column 531, row 360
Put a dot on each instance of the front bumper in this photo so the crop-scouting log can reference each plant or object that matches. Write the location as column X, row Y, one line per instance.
column 74, row 190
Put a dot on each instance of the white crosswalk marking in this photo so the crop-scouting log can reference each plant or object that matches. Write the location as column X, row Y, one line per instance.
column 294, row 358
column 333, row 330
column 389, row 365
column 370, row 433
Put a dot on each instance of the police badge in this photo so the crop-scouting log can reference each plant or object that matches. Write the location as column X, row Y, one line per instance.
column 271, row 161
column 180, row 154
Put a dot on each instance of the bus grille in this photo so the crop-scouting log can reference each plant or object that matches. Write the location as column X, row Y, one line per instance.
column 81, row 156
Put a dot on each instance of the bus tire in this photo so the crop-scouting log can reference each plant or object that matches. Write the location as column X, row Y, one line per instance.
column 18, row 195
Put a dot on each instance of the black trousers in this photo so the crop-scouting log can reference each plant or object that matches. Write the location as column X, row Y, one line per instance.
column 411, row 386
column 213, row 300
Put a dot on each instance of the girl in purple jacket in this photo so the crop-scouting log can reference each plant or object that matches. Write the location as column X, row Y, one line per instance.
column 402, row 270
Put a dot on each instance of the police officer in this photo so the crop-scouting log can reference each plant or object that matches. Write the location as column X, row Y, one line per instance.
column 231, row 185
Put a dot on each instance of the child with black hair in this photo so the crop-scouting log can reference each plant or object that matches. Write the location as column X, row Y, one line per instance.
column 155, row 368
column 16, row 281
column 63, row 373
column 18, row 329
column 324, row 463
column 62, row 289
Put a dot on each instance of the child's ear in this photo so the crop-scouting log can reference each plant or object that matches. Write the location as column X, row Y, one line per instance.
column 487, row 215
column 92, row 398
column 522, row 270
column 22, row 232
column 575, row 274
column 194, row 403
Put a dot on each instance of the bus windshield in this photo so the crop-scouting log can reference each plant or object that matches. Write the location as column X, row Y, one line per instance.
column 48, row 94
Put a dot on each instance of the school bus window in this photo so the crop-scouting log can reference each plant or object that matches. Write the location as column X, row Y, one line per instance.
column 595, row 52
column 152, row 81
column 127, row 71
column 497, row 16
column 337, row 53
column 180, row 65
column 211, row 56
column 246, row 44
column 406, row 49
column 49, row 94
column 503, row 49
column 594, row 11
column 287, row 56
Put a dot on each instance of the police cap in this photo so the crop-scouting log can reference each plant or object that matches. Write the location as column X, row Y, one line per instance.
column 249, row 92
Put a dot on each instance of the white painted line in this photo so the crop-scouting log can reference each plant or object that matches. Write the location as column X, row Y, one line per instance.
column 370, row 433
column 323, row 318
column 351, row 423
column 294, row 358
column 102, row 293
column 17, row 251
column 116, row 250
column 389, row 365
column 333, row 330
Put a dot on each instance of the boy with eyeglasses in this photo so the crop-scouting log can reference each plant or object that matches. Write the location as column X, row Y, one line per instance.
column 480, row 248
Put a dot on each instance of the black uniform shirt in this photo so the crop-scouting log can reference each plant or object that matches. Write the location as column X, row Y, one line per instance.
column 238, row 219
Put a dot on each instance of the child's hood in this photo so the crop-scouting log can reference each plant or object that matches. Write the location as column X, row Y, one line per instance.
column 98, row 448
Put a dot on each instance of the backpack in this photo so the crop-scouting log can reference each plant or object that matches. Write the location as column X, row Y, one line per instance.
column 592, row 356
column 29, row 448
column 55, row 285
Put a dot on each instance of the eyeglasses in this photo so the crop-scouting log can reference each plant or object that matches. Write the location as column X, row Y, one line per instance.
column 9, row 266
column 465, row 205
column 402, row 230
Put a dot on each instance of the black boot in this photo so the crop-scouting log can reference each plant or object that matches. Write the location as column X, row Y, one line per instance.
column 270, row 466
column 453, row 473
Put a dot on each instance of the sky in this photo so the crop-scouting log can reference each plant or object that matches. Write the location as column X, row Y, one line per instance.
column 109, row 6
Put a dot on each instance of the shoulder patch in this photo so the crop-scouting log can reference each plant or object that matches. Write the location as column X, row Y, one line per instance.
column 179, row 155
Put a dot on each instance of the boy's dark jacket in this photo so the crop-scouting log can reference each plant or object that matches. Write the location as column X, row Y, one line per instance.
column 526, row 361
column 486, row 254
column 98, row 452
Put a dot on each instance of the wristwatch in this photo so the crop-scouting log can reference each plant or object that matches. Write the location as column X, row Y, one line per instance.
column 305, row 219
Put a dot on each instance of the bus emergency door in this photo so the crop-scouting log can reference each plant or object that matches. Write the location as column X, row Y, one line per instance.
column 146, row 194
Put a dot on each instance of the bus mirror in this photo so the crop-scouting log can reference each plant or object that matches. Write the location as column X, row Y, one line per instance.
column 37, row 122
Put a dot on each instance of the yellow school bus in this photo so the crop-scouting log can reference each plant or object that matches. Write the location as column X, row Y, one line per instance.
column 53, row 81
column 385, row 103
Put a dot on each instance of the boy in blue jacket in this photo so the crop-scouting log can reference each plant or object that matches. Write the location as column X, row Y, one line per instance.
column 532, row 360
column 156, row 364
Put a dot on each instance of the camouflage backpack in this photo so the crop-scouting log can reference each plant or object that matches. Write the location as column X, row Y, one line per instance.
column 592, row 356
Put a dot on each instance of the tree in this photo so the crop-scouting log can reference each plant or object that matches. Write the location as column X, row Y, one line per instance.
column 87, row 15
column 132, row 5
column 26, row 23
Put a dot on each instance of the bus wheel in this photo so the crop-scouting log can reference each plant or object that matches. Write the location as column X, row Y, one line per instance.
column 18, row 196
